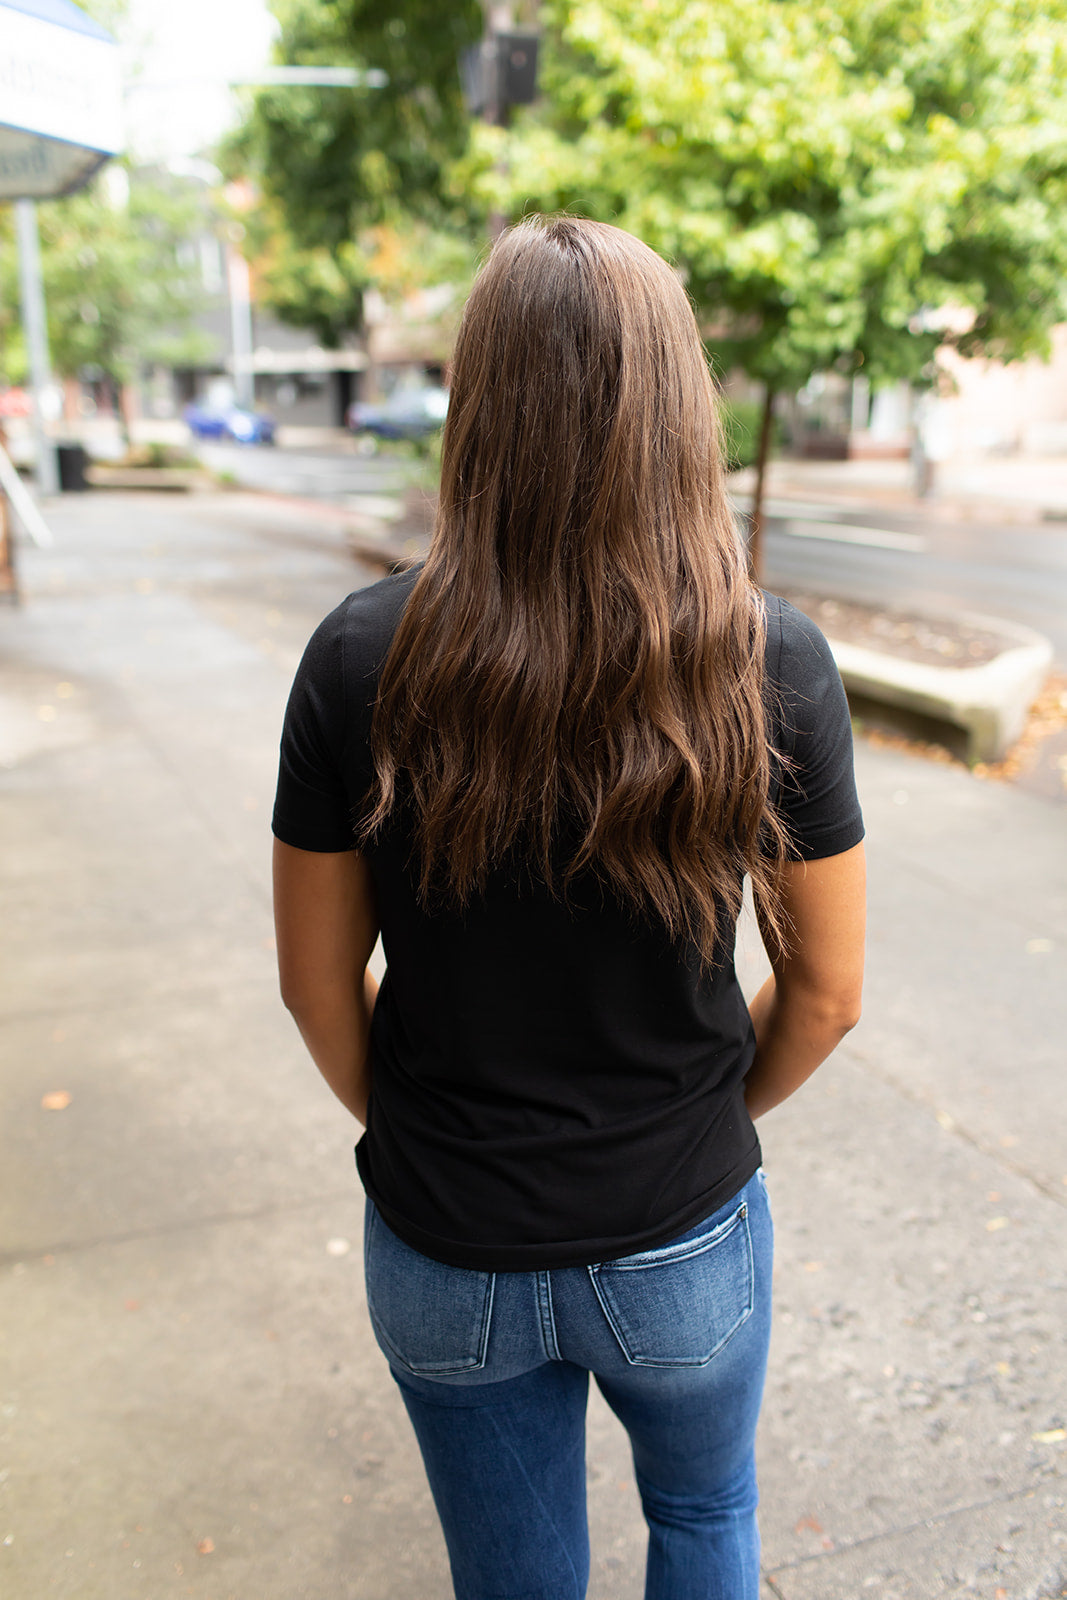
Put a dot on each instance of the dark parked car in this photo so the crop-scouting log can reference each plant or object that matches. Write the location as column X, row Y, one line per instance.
column 229, row 422
column 407, row 414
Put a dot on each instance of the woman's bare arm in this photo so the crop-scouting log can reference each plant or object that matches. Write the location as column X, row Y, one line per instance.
column 813, row 997
column 326, row 923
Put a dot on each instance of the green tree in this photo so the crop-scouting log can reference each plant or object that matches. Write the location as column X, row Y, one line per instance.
column 824, row 175
column 321, row 288
column 121, row 281
column 316, row 287
column 337, row 160
column 350, row 182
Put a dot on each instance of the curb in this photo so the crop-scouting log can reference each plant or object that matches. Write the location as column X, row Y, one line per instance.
column 375, row 550
column 176, row 480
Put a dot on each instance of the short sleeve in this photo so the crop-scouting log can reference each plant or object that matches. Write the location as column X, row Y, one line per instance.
column 816, row 797
column 311, row 807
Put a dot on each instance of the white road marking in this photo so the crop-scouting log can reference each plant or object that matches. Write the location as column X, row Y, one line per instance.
column 846, row 533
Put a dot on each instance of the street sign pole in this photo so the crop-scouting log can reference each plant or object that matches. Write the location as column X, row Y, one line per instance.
column 239, row 282
column 35, row 329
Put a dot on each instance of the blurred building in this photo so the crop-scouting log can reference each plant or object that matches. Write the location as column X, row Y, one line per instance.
column 984, row 408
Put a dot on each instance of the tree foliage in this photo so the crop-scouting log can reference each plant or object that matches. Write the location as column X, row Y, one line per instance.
column 828, row 176
column 315, row 287
column 121, row 281
column 825, row 175
column 337, row 160
column 321, row 288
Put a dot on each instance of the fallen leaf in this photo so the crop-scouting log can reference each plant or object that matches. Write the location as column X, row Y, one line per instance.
column 995, row 1224
column 205, row 1547
column 55, row 1100
column 813, row 1266
column 1050, row 1436
column 132, row 1305
column 808, row 1524
column 1000, row 1594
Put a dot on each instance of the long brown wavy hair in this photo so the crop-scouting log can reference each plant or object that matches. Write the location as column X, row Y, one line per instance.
column 577, row 679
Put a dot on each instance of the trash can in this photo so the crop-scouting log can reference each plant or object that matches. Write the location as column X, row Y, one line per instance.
column 72, row 461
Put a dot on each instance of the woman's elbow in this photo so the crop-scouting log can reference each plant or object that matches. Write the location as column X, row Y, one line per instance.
column 844, row 1007
column 298, row 996
column 834, row 1011
column 849, row 1014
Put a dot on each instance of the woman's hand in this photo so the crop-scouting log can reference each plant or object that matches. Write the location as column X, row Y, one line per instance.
column 326, row 924
column 813, row 999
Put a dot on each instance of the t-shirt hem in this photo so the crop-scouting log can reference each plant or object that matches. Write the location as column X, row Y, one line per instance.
column 832, row 843
column 546, row 1257
column 314, row 840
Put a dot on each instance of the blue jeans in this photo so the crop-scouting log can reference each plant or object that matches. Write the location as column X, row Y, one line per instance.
column 494, row 1371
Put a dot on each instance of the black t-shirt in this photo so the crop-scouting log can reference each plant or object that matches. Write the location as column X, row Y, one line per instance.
column 552, row 1084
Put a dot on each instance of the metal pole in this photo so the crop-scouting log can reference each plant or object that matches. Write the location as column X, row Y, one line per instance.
column 498, row 19
column 240, row 287
column 35, row 328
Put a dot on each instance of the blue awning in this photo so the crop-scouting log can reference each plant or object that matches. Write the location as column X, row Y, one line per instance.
column 62, row 13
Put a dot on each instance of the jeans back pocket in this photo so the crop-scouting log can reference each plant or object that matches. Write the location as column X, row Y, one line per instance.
column 679, row 1305
column 429, row 1318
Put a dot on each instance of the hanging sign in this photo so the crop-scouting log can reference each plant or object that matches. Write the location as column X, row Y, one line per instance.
column 60, row 98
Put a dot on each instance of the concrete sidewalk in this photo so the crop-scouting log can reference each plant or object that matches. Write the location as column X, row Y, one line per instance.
column 998, row 489
column 192, row 1402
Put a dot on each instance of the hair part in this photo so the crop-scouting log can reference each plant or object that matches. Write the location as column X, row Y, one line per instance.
column 578, row 673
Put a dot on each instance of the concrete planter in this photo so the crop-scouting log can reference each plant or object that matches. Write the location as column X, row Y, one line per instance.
column 989, row 702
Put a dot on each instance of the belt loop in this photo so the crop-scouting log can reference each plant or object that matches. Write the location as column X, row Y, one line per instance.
column 544, row 1306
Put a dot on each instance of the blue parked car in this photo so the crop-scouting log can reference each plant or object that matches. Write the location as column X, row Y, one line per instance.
column 407, row 414
column 229, row 422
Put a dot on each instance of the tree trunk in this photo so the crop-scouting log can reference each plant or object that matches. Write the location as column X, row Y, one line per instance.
column 127, row 410
column 763, row 450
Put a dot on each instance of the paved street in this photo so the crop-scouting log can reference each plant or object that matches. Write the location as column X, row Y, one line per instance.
column 914, row 560
column 938, row 557
column 192, row 1401
column 333, row 471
